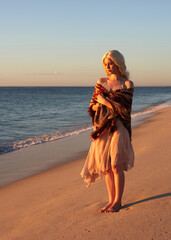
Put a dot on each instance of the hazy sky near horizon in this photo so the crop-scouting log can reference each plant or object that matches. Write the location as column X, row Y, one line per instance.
column 61, row 43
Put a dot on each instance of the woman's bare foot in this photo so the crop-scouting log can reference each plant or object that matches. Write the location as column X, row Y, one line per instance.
column 105, row 208
column 114, row 208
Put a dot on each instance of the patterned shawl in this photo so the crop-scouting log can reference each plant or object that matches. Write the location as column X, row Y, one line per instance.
column 104, row 119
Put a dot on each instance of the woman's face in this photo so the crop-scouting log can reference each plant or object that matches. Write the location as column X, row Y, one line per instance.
column 110, row 67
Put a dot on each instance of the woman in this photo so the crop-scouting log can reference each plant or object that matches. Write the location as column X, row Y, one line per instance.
column 111, row 150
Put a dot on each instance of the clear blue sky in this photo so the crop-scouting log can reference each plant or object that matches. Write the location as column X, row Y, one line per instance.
column 61, row 43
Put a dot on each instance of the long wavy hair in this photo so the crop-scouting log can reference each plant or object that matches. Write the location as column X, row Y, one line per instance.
column 119, row 60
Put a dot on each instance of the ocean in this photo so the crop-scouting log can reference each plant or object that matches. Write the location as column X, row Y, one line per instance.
column 35, row 115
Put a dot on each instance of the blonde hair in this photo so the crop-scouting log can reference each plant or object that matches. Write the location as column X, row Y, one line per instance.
column 119, row 60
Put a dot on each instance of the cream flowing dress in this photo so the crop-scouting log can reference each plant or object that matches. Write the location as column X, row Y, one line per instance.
column 109, row 149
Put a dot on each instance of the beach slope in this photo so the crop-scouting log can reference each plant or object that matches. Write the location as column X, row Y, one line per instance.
column 57, row 205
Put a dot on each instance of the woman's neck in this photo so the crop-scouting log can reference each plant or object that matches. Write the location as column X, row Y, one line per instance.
column 115, row 77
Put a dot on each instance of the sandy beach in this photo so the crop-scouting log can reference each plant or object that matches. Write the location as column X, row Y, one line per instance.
column 56, row 205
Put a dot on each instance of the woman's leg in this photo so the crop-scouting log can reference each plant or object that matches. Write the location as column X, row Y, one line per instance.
column 109, row 177
column 119, row 180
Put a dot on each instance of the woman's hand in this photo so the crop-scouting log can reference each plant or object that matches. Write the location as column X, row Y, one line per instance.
column 101, row 99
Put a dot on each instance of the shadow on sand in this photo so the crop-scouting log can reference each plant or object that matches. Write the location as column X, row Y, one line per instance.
column 146, row 200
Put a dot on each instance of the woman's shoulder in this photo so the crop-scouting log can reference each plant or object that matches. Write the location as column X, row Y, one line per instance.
column 129, row 84
column 101, row 81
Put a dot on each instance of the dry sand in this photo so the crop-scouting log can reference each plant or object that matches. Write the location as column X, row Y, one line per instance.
column 56, row 204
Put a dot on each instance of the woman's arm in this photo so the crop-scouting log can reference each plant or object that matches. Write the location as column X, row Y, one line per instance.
column 102, row 100
column 98, row 97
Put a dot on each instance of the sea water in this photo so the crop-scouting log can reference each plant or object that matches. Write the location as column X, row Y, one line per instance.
column 35, row 115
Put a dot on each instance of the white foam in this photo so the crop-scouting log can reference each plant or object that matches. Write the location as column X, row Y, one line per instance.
column 43, row 139
column 57, row 136
column 151, row 109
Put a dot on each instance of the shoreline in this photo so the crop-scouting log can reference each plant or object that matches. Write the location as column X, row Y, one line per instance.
column 56, row 204
column 137, row 118
column 36, row 159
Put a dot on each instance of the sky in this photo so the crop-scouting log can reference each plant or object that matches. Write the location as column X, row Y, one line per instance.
column 61, row 43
